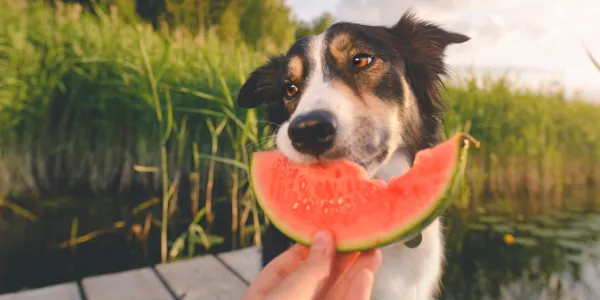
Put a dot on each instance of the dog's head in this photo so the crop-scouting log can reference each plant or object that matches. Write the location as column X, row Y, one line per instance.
column 355, row 92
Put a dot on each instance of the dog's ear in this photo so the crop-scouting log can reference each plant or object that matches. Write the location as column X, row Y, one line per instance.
column 422, row 39
column 263, row 84
column 422, row 45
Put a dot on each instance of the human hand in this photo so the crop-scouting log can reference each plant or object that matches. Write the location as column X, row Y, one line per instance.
column 317, row 273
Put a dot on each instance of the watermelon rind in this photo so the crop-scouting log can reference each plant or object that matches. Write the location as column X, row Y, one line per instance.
column 446, row 194
column 404, row 232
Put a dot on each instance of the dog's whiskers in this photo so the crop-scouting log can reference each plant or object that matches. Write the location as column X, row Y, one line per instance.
column 251, row 146
column 270, row 123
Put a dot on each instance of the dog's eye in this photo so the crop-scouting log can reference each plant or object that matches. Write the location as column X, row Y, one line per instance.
column 291, row 90
column 362, row 60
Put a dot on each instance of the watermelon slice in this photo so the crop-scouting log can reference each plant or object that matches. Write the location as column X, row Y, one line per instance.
column 362, row 214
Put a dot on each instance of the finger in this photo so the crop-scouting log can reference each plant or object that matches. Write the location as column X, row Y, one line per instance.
column 341, row 264
column 284, row 264
column 276, row 271
column 370, row 261
column 362, row 286
column 308, row 279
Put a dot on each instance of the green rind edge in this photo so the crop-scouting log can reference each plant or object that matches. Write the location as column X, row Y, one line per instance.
column 405, row 232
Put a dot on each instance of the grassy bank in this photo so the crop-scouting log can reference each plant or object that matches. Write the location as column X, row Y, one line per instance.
column 96, row 105
column 535, row 143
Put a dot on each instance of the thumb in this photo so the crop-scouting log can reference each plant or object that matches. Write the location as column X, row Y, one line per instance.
column 320, row 257
column 308, row 279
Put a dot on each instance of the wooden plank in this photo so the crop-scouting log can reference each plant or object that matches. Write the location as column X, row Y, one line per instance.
column 202, row 278
column 129, row 285
column 245, row 262
column 65, row 291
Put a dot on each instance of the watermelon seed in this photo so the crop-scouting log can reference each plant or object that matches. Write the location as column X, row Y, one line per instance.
column 307, row 207
column 295, row 206
column 340, row 200
column 304, row 200
column 331, row 201
column 326, row 210
column 322, row 203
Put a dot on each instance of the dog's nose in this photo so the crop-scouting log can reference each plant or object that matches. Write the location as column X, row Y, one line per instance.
column 313, row 133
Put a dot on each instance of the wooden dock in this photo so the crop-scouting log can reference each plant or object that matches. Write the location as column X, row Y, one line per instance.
column 224, row 276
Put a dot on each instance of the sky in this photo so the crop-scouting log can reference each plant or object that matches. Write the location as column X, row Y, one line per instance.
column 540, row 41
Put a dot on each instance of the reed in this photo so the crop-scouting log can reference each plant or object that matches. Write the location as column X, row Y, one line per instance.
column 535, row 143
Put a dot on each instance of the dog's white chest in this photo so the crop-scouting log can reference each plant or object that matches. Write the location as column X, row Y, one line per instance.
column 411, row 274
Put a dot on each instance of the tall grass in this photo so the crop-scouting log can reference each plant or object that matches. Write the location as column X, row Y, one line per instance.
column 535, row 142
column 95, row 104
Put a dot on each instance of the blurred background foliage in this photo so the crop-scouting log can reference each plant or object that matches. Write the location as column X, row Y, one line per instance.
column 259, row 23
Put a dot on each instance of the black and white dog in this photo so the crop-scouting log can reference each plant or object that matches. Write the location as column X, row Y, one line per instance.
column 369, row 94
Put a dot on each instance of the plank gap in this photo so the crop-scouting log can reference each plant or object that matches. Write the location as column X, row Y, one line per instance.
column 238, row 275
column 246, row 262
column 82, row 294
column 165, row 283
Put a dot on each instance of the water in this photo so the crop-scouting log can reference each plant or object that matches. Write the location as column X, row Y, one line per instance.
column 30, row 255
column 548, row 256
column 491, row 255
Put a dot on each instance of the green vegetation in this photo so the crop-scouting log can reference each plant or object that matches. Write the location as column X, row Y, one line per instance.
column 77, row 88
column 535, row 143
column 316, row 26
column 262, row 24
column 103, row 105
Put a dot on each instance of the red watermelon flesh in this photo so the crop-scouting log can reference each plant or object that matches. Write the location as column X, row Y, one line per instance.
column 362, row 214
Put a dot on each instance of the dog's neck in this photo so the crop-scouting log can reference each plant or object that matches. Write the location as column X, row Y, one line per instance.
column 397, row 165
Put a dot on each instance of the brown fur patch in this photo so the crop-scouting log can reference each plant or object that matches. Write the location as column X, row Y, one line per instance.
column 290, row 105
column 372, row 76
column 340, row 47
column 295, row 68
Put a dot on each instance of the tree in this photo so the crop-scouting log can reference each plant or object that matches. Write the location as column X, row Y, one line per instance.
column 229, row 23
column 267, row 23
column 315, row 26
column 262, row 24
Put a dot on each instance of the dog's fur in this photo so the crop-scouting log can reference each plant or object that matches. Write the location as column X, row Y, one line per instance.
column 387, row 106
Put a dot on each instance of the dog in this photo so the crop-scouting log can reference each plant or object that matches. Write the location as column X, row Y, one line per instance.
column 370, row 94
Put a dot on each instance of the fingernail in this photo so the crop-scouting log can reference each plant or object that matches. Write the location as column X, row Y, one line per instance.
column 320, row 242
